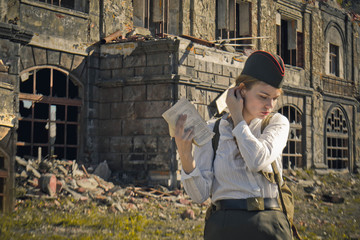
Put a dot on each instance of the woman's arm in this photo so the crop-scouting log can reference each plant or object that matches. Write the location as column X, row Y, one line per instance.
column 259, row 153
column 196, row 177
column 183, row 141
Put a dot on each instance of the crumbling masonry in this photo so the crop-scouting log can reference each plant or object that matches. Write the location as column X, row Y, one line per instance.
column 71, row 89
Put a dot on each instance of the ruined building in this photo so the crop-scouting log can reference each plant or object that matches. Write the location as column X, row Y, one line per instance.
column 72, row 89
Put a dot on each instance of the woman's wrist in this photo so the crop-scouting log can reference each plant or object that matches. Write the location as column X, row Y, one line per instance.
column 237, row 119
column 188, row 163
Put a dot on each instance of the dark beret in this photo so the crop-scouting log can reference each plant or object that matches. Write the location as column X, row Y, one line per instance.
column 265, row 67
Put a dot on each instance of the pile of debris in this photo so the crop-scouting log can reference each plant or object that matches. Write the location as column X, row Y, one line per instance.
column 51, row 179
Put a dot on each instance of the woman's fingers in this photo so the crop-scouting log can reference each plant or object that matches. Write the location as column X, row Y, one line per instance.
column 238, row 93
column 180, row 124
column 188, row 134
column 182, row 134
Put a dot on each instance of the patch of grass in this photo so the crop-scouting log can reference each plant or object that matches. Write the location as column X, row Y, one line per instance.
column 32, row 220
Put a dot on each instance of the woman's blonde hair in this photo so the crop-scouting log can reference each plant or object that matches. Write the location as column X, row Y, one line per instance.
column 249, row 81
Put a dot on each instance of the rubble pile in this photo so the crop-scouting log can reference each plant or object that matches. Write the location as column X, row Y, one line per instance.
column 51, row 179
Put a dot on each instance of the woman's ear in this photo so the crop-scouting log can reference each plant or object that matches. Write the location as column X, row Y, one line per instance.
column 242, row 92
column 242, row 88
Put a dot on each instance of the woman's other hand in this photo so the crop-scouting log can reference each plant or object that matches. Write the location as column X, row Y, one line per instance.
column 235, row 103
column 183, row 139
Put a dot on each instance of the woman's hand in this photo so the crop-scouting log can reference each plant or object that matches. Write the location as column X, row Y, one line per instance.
column 235, row 103
column 183, row 139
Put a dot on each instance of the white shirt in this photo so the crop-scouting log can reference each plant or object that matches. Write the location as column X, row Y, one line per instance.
column 235, row 173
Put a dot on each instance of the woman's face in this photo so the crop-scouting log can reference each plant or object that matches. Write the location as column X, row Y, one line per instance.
column 260, row 100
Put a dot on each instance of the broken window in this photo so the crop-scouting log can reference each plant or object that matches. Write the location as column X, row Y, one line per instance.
column 290, row 42
column 151, row 14
column 337, row 140
column 334, row 59
column 79, row 5
column 49, row 109
column 292, row 154
column 233, row 20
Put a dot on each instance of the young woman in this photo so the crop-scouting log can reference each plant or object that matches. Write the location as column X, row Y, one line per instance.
column 246, row 202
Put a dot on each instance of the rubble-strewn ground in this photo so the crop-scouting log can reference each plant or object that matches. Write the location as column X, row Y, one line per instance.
column 84, row 206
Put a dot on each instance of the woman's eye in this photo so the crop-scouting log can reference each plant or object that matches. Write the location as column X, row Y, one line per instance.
column 263, row 97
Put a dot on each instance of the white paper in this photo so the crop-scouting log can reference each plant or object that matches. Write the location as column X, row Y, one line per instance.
column 221, row 101
column 202, row 133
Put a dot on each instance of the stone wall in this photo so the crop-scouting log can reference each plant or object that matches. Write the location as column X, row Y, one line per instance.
column 205, row 73
column 67, row 29
column 136, row 86
column 204, row 19
column 357, row 91
column 198, row 18
column 11, row 40
column 266, row 25
column 7, row 123
column 117, row 15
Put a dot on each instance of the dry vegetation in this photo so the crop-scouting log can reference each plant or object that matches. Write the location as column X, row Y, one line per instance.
column 174, row 216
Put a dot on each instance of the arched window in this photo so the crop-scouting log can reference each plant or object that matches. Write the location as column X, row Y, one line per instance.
column 49, row 109
column 292, row 154
column 337, row 140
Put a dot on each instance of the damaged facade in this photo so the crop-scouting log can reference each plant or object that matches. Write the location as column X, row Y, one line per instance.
column 69, row 95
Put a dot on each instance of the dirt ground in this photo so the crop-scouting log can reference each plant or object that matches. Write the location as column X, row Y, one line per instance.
column 327, row 206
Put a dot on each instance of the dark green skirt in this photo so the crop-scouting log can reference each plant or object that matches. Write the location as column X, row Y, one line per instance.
column 240, row 224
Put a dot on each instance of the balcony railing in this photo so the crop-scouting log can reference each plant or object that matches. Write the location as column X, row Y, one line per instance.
column 337, row 85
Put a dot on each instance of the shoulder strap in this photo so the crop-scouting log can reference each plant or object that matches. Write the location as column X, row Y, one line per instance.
column 264, row 123
column 215, row 139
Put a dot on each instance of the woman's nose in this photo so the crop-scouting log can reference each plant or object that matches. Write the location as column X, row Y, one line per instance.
column 270, row 103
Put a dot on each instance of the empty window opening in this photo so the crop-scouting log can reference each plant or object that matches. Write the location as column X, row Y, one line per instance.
column 292, row 154
column 290, row 43
column 79, row 5
column 2, row 163
column 334, row 59
column 333, row 82
column 49, row 114
column 233, row 20
column 337, row 140
column 151, row 14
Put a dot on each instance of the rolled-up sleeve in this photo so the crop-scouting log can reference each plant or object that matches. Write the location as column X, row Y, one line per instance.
column 259, row 153
column 198, row 183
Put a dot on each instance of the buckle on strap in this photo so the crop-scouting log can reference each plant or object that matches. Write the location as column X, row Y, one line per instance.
column 255, row 204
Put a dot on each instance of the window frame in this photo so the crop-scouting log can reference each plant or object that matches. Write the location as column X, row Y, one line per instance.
column 4, row 182
column 30, row 145
column 156, row 20
column 228, row 19
column 293, row 159
column 334, row 59
column 337, row 140
column 79, row 5
column 69, row 11
column 293, row 56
